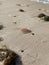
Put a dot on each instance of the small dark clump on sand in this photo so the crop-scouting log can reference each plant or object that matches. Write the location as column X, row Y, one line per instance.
column 21, row 10
column 46, row 18
column 26, row 31
column 33, row 34
column 22, row 50
column 41, row 15
column 1, row 27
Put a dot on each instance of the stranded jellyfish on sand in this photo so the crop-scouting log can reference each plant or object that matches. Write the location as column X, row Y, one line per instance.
column 9, row 57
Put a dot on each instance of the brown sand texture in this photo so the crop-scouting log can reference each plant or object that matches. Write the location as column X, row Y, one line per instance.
column 23, row 32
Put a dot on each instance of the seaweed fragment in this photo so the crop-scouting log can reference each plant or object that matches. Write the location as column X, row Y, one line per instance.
column 41, row 15
column 46, row 18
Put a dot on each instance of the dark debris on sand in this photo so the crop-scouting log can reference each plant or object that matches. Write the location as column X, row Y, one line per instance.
column 22, row 50
column 1, row 27
column 33, row 33
column 41, row 15
column 46, row 18
column 21, row 10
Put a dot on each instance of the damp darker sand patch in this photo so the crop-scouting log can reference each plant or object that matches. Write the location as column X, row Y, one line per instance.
column 26, row 31
column 21, row 10
column 1, row 27
column 41, row 15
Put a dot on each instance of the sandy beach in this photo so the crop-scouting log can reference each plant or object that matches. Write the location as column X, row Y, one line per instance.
column 23, row 32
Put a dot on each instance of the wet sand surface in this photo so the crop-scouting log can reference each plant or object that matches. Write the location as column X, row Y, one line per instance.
column 32, row 44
